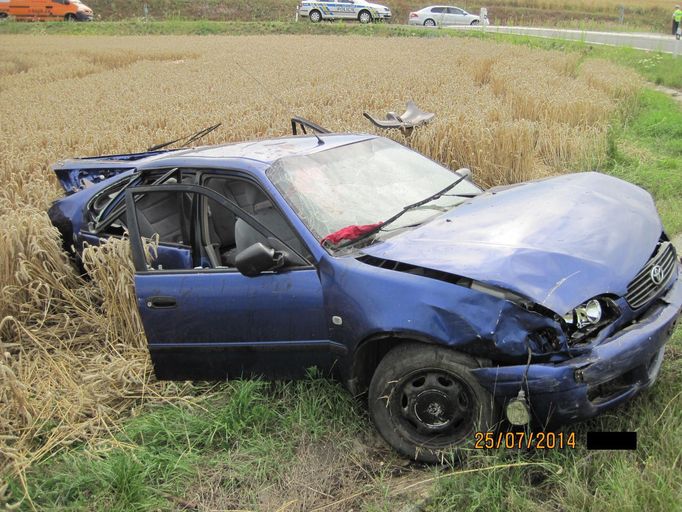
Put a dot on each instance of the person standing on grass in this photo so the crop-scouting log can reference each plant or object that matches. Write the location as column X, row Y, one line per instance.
column 677, row 18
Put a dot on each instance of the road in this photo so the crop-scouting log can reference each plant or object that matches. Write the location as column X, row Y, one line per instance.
column 657, row 42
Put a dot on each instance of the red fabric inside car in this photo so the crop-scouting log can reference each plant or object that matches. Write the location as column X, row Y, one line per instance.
column 349, row 233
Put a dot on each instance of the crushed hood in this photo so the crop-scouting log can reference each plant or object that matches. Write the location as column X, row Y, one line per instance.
column 559, row 241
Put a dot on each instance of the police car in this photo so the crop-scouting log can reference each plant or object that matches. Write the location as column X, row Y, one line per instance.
column 360, row 10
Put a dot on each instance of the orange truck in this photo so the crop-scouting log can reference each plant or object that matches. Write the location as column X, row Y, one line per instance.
column 45, row 10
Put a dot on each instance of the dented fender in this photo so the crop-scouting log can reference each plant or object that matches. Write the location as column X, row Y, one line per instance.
column 408, row 305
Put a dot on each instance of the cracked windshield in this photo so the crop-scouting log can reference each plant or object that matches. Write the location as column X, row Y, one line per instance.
column 364, row 184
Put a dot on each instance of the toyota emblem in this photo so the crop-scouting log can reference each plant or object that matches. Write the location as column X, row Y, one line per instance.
column 656, row 274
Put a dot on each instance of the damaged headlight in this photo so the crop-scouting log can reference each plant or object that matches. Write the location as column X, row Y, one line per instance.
column 589, row 317
column 584, row 315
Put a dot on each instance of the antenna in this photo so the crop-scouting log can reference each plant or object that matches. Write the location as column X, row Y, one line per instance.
column 319, row 140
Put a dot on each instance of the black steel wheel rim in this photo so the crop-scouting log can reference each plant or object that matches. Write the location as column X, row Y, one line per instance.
column 433, row 407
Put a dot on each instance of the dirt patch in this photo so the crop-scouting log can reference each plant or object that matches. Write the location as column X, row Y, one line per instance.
column 673, row 93
column 330, row 476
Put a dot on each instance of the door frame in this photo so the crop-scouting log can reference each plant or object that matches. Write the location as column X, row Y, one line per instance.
column 134, row 230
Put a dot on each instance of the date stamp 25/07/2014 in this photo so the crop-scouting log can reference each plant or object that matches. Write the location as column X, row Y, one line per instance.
column 524, row 440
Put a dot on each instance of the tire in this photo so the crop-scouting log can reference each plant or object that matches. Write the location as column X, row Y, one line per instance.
column 429, row 23
column 426, row 404
column 315, row 16
column 364, row 17
column 70, row 17
column 475, row 22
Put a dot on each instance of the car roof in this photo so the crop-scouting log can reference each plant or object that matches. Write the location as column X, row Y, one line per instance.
column 269, row 150
column 259, row 154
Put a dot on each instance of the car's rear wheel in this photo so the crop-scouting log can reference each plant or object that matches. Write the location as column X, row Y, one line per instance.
column 70, row 17
column 429, row 23
column 475, row 22
column 315, row 16
column 426, row 404
column 365, row 17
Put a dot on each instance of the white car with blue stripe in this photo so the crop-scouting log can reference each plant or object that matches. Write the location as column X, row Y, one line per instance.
column 364, row 12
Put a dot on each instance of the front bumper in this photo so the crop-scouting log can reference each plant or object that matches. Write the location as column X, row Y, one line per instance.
column 82, row 16
column 611, row 373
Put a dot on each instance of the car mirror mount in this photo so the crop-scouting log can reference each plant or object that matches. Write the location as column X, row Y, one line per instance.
column 258, row 258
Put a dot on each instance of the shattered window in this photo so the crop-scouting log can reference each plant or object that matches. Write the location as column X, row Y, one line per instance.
column 364, row 183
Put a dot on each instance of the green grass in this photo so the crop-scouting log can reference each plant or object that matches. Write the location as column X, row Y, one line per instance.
column 245, row 434
column 657, row 67
column 206, row 27
column 648, row 152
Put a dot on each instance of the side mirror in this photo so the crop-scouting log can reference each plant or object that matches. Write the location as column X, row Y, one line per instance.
column 258, row 258
column 67, row 2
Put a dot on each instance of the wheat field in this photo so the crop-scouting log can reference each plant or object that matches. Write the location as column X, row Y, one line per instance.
column 72, row 352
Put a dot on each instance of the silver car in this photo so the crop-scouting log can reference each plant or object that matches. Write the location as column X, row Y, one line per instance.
column 443, row 15
column 361, row 10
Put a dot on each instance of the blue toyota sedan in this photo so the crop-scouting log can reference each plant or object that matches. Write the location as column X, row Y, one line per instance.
column 454, row 310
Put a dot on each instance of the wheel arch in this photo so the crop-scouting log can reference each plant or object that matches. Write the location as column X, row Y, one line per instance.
column 370, row 351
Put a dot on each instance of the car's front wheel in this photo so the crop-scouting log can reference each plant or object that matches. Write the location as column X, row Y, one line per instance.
column 426, row 404
column 70, row 17
column 475, row 22
column 315, row 16
column 365, row 17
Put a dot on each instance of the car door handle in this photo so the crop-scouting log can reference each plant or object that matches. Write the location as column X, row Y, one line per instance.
column 161, row 302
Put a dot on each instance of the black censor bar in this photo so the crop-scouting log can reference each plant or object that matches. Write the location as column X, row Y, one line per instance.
column 612, row 440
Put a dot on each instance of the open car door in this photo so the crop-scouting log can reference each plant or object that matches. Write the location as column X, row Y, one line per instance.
column 203, row 318
column 157, row 217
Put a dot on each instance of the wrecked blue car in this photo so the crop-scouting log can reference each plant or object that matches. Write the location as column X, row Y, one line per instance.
column 454, row 309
